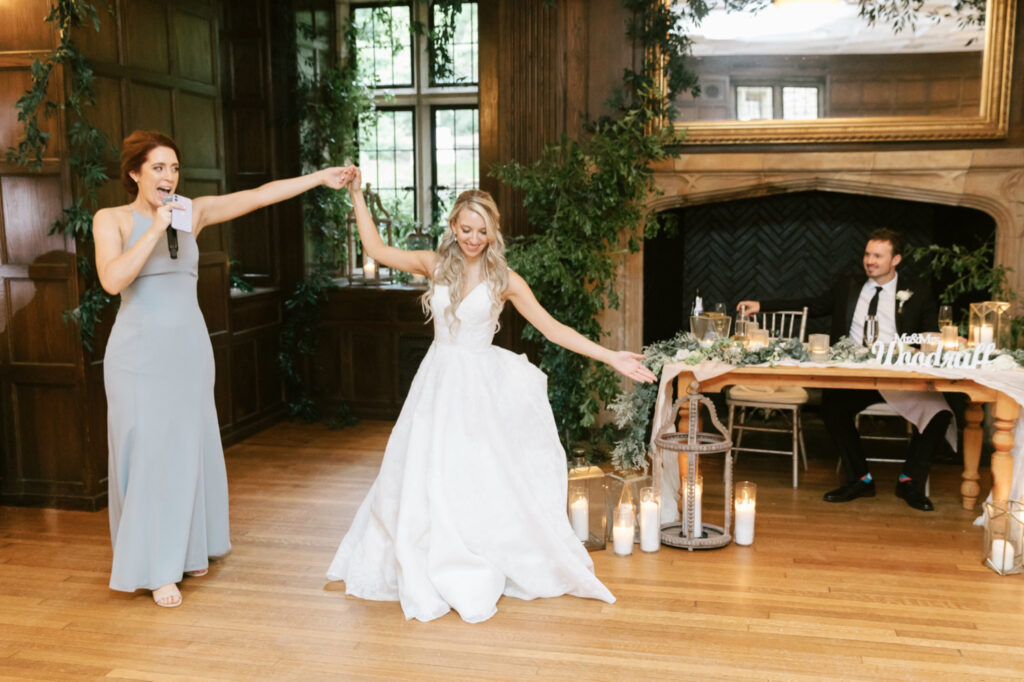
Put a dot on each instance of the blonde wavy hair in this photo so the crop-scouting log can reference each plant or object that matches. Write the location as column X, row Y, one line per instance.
column 451, row 263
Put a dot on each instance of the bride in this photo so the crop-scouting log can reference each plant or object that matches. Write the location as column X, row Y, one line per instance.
column 470, row 501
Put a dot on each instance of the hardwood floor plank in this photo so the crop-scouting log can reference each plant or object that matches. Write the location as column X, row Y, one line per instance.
column 865, row 591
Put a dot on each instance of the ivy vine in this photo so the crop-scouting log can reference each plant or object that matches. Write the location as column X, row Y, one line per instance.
column 587, row 201
column 88, row 147
column 333, row 106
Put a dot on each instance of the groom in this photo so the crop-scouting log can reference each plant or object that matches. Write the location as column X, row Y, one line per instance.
column 901, row 305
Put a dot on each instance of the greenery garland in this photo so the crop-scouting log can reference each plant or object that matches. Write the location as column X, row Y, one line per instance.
column 634, row 409
column 88, row 147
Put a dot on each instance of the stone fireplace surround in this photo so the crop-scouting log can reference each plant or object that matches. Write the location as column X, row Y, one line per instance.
column 987, row 180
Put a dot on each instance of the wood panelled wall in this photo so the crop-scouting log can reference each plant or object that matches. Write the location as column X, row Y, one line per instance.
column 543, row 72
column 167, row 67
column 257, row 76
column 46, row 436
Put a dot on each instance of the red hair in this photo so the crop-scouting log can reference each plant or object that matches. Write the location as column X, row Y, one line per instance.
column 134, row 150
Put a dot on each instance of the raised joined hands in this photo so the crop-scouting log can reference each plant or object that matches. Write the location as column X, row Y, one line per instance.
column 336, row 177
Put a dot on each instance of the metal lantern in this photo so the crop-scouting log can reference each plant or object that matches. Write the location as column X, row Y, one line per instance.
column 692, row 532
column 987, row 324
column 623, row 488
column 1003, row 547
column 370, row 270
column 586, row 501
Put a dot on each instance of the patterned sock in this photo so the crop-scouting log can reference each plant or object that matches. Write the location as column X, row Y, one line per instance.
column 904, row 478
column 866, row 478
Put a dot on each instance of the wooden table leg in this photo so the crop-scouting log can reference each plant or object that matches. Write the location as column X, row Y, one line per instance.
column 1005, row 419
column 969, row 488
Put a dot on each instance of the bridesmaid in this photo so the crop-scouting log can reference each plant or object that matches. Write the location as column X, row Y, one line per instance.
column 167, row 481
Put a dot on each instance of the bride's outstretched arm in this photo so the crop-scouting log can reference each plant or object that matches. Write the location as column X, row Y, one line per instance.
column 626, row 363
column 416, row 262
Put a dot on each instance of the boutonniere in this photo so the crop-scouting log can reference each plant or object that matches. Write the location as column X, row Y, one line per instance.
column 902, row 297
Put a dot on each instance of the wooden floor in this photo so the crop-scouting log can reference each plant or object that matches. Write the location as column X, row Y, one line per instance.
column 865, row 590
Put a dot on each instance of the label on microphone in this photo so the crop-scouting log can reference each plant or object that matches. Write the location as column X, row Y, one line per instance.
column 181, row 220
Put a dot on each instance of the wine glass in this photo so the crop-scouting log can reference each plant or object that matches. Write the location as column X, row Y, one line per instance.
column 945, row 316
column 870, row 331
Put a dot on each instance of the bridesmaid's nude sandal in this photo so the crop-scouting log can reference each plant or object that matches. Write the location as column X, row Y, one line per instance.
column 197, row 574
column 167, row 596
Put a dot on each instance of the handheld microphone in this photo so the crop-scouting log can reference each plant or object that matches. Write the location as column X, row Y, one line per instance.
column 172, row 234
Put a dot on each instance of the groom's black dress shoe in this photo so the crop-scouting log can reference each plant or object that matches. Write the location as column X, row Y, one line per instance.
column 914, row 497
column 851, row 491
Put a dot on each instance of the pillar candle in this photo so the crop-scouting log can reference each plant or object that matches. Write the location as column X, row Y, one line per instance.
column 950, row 339
column 985, row 335
column 1002, row 555
column 579, row 512
column 650, row 526
column 623, row 531
column 698, row 492
column 744, row 534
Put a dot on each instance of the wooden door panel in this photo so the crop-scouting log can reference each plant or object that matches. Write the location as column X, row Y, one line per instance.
column 193, row 42
column 145, row 32
column 150, row 108
column 197, row 131
column 37, row 331
column 49, row 447
column 31, row 203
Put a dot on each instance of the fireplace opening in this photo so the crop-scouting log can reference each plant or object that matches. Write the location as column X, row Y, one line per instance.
column 785, row 246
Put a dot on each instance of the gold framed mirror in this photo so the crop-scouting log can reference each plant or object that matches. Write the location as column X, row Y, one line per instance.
column 890, row 93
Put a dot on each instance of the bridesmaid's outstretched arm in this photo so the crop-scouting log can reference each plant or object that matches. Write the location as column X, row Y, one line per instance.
column 627, row 364
column 210, row 210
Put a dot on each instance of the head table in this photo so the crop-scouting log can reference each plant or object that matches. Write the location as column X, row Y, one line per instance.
column 1004, row 389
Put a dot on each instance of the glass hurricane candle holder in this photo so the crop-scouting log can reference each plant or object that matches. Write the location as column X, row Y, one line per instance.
column 950, row 337
column 650, row 520
column 986, row 324
column 745, row 506
column 623, row 487
column 757, row 338
column 703, row 327
column 1003, row 546
column 587, row 493
column 818, row 347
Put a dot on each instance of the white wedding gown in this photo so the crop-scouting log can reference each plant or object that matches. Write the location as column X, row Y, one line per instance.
column 470, row 500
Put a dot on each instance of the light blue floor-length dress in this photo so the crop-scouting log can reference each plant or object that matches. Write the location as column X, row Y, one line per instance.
column 167, row 480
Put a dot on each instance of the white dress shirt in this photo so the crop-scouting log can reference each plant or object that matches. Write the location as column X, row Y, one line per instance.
column 886, row 314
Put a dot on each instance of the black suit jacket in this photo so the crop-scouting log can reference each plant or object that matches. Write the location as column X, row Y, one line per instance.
column 919, row 313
